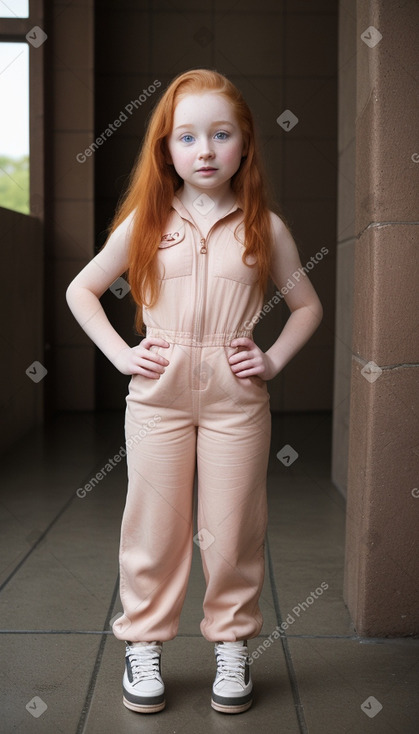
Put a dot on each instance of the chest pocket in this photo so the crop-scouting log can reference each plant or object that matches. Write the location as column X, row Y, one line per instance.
column 174, row 254
column 229, row 263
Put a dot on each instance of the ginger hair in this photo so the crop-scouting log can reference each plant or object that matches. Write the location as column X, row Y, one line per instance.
column 153, row 183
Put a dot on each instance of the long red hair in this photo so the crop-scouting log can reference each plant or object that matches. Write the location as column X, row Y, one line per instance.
column 153, row 183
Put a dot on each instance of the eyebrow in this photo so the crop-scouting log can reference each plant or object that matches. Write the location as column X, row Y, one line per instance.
column 216, row 122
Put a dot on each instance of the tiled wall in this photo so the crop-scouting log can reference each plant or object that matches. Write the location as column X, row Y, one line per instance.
column 72, row 229
column 21, row 393
column 282, row 55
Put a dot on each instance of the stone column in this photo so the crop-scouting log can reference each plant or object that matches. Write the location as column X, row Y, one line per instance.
column 382, row 560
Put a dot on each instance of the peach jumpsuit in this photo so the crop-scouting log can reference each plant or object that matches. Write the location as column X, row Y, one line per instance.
column 197, row 415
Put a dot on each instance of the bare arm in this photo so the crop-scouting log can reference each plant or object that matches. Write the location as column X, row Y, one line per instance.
column 83, row 296
column 303, row 302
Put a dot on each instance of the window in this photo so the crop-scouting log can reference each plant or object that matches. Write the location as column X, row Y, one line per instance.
column 14, row 126
column 22, row 104
column 14, row 8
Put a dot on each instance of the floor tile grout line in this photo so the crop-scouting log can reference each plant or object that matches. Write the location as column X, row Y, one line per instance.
column 43, row 535
column 55, row 632
column 284, row 642
column 187, row 635
column 180, row 634
column 93, row 678
column 35, row 545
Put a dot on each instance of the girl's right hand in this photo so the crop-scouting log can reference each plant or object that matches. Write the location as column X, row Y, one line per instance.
column 141, row 360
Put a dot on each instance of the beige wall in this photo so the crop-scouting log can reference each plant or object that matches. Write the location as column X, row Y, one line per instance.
column 382, row 563
column 21, row 328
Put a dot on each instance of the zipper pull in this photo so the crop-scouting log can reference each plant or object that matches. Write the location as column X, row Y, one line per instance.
column 203, row 246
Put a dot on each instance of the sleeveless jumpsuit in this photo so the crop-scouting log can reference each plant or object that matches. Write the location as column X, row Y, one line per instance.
column 198, row 416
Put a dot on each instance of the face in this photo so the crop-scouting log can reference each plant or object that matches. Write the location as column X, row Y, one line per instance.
column 205, row 134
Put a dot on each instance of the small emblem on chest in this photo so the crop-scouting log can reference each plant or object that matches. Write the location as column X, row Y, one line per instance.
column 171, row 238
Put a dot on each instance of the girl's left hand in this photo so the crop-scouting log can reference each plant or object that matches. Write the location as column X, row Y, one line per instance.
column 250, row 360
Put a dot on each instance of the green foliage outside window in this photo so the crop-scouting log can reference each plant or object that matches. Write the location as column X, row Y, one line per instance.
column 14, row 183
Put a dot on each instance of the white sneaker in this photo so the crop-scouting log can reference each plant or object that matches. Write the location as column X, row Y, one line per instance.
column 232, row 688
column 142, row 684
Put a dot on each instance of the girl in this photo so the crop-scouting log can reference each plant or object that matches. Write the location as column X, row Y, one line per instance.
column 199, row 242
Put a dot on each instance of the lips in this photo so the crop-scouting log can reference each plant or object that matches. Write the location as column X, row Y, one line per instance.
column 207, row 169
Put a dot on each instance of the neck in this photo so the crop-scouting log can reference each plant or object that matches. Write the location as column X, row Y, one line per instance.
column 223, row 199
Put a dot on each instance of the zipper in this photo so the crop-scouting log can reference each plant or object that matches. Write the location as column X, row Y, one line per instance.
column 202, row 270
column 201, row 287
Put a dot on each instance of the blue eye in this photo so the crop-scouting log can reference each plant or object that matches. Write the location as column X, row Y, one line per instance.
column 186, row 136
column 222, row 133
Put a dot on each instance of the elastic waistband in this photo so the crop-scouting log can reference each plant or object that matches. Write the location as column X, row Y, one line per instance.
column 188, row 339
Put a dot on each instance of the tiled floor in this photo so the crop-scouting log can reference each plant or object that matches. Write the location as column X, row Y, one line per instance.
column 61, row 665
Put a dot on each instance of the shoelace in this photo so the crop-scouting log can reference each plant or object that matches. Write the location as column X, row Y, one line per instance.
column 231, row 663
column 144, row 662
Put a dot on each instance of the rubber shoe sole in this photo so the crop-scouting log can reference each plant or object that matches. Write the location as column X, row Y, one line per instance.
column 231, row 708
column 144, row 708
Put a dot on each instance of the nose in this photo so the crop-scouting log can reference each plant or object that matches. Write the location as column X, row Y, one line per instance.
column 206, row 149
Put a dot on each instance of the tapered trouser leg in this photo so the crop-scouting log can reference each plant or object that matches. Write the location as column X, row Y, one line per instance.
column 156, row 532
column 209, row 417
column 232, row 458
